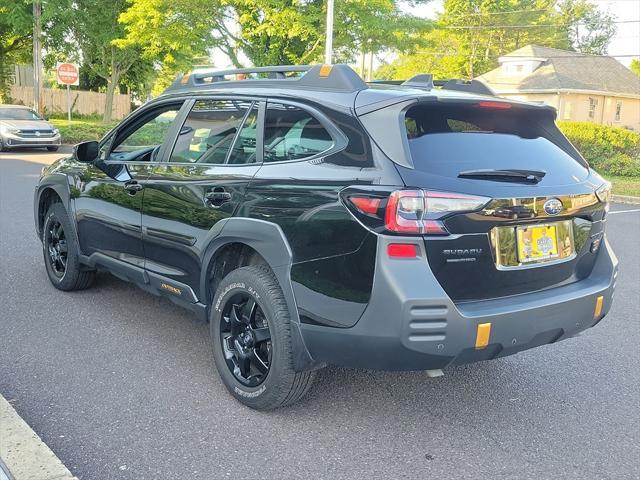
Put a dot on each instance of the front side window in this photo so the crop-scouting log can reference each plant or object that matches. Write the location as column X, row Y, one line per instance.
column 210, row 130
column 291, row 133
column 141, row 138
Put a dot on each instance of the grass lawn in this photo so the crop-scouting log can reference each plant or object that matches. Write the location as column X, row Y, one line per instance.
column 625, row 185
column 81, row 130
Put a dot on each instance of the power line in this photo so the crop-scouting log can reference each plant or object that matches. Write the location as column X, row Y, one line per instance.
column 480, row 27
column 578, row 55
column 509, row 11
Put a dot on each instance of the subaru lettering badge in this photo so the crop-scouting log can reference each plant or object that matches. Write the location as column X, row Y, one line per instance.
column 553, row 206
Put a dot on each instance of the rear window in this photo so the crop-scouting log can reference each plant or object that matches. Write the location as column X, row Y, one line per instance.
column 447, row 140
column 291, row 133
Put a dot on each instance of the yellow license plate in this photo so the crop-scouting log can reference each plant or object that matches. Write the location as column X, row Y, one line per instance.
column 537, row 243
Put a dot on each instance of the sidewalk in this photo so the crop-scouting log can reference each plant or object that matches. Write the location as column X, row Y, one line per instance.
column 22, row 453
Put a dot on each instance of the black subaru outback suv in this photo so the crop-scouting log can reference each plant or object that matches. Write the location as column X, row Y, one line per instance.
column 315, row 219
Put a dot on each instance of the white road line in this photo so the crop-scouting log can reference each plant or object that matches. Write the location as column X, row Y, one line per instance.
column 624, row 211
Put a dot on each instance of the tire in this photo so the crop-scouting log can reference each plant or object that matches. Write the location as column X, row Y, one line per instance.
column 61, row 252
column 53, row 148
column 280, row 385
column 2, row 147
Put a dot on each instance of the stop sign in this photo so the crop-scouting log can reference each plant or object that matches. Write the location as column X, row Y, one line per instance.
column 68, row 73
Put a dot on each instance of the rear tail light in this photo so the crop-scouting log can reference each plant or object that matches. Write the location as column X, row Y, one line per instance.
column 419, row 211
column 411, row 211
column 604, row 195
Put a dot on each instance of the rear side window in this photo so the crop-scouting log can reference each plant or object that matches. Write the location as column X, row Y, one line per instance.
column 291, row 133
column 449, row 139
column 210, row 130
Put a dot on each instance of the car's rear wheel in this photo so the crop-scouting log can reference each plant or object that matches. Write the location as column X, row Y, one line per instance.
column 53, row 148
column 61, row 253
column 251, row 335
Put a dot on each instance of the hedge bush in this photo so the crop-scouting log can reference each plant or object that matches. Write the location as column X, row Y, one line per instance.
column 609, row 150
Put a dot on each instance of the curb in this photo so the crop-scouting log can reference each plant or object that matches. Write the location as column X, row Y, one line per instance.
column 23, row 453
column 625, row 199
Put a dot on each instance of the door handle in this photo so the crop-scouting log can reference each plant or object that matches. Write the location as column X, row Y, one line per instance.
column 217, row 197
column 133, row 187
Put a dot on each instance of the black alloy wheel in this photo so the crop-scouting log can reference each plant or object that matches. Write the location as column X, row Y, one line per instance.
column 245, row 339
column 57, row 248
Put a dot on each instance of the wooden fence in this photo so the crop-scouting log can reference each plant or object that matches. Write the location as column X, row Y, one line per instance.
column 84, row 102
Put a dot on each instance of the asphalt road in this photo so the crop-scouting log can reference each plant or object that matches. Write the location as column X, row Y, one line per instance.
column 121, row 384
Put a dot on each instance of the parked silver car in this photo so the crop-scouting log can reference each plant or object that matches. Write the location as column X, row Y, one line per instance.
column 22, row 127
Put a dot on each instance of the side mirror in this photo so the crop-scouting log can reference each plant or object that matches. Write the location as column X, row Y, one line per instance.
column 86, row 152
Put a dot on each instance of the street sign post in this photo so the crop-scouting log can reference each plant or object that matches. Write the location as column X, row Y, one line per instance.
column 68, row 74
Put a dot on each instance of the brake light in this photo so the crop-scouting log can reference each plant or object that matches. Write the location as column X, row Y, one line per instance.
column 419, row 211
column 495, row 105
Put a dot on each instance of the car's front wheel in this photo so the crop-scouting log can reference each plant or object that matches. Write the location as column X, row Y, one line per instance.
column 61, row 253
column 251, row 335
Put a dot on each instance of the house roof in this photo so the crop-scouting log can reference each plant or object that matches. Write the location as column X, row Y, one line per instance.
column 563, row 70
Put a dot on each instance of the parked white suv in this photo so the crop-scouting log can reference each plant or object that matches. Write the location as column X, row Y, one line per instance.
column 22, row 127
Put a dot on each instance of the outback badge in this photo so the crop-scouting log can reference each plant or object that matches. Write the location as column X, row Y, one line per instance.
column 553, row 206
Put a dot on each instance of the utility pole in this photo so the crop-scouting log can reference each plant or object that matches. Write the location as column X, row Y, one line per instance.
column 328, row 48
column 37, row 56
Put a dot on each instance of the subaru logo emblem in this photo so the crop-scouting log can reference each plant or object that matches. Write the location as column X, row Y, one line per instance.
column 553, row 206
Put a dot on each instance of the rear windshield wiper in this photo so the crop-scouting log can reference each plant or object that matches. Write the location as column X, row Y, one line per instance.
column 510, row 175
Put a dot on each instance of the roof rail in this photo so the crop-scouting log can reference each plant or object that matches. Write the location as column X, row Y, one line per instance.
column 332, row 77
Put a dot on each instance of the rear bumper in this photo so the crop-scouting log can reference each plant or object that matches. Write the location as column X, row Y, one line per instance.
column 411, row 324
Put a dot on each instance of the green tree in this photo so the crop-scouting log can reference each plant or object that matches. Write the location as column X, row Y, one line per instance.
column 483, row 30
column 266, row 32
column 86, row 31
column 16, row 26
column 635, row 66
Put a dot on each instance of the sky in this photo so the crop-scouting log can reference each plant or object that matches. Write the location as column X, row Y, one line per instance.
column 626, row 41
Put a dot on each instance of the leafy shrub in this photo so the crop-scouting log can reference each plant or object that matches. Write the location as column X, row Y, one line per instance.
column 609, row 150
column 80, row 130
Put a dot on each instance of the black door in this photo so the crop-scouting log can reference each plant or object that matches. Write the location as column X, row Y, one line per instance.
column 202, row 180
column 108, row 199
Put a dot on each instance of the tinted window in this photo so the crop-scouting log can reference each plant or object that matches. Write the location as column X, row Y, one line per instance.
column 210, row 130
column 449, row 140
column 291, row 133
column 147, row 131
column 150, row 133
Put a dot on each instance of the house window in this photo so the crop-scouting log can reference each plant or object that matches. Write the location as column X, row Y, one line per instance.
column 618, row 110
column 593, row 104
column 567, row 110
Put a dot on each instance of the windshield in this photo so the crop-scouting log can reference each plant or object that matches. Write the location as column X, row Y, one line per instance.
column 18, row 114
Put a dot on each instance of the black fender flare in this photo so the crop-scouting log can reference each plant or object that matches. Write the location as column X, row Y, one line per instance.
column 59, row 183
column 269, row 241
